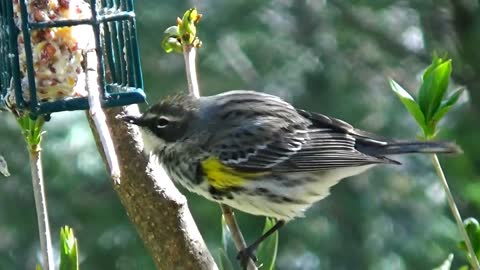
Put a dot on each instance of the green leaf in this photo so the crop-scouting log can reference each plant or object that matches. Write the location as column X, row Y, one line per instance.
column 187, row 27
column 434, row 86
column 31, row 130
column 446, row 265
column 171, row 40
column 442, row 78
column 171, row 44
column 447, row 104
column 38, row 267
column 224, row 261
column 68, row 249
column 464, row 267
column 37, row 134
column 435, row 62
column 473, row 231
column 267, row 250
column 409, row 103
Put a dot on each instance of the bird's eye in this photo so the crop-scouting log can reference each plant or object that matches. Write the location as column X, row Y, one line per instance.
column 162, row 122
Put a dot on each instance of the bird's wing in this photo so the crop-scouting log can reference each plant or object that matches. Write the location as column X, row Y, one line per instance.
column 280, row 144
column 254, row 130
column 322, row 121
column 328, row 149
column 262, row 144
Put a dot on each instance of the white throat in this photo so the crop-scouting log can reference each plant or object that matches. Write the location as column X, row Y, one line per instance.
column 151, row 143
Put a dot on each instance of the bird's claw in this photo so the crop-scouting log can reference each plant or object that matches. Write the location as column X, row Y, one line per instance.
column 245, row 254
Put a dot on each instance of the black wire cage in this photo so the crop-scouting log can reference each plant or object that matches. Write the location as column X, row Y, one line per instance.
column 41, row 58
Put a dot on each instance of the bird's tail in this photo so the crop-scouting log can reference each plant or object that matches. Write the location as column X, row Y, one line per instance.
column 396, row 148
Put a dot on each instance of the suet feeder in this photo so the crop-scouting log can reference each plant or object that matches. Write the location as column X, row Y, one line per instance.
column 42, row 49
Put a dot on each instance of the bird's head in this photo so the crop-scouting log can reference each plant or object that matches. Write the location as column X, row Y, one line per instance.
column 165, row 122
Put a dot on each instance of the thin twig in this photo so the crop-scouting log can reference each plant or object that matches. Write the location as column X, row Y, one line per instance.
column 237, row 236
column 98, row 116
column 189, row 53
column 41, row 208
column 456, row 214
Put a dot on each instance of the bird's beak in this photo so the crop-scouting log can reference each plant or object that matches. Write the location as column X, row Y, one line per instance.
column 135, row 120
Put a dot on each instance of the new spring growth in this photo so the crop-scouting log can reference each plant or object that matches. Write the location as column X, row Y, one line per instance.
column 171, row 41
column 184, row 33
column 32, row 130
column 431, row 105
column 68, row 249
column 473, row 230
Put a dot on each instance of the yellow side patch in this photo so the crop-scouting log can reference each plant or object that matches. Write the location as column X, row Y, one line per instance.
column 221, row 176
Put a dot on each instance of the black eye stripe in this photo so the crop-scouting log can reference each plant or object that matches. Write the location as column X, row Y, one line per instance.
column 167, row 127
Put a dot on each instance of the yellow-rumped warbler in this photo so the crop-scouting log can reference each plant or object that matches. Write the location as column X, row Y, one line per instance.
column 259, row 154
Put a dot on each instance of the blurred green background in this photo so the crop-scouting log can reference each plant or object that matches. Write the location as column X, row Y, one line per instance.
column 332, row 57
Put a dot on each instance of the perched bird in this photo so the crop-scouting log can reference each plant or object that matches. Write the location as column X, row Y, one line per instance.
column 259, row 154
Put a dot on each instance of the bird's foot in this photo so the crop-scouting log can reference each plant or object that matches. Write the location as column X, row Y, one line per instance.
column 245, row 254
